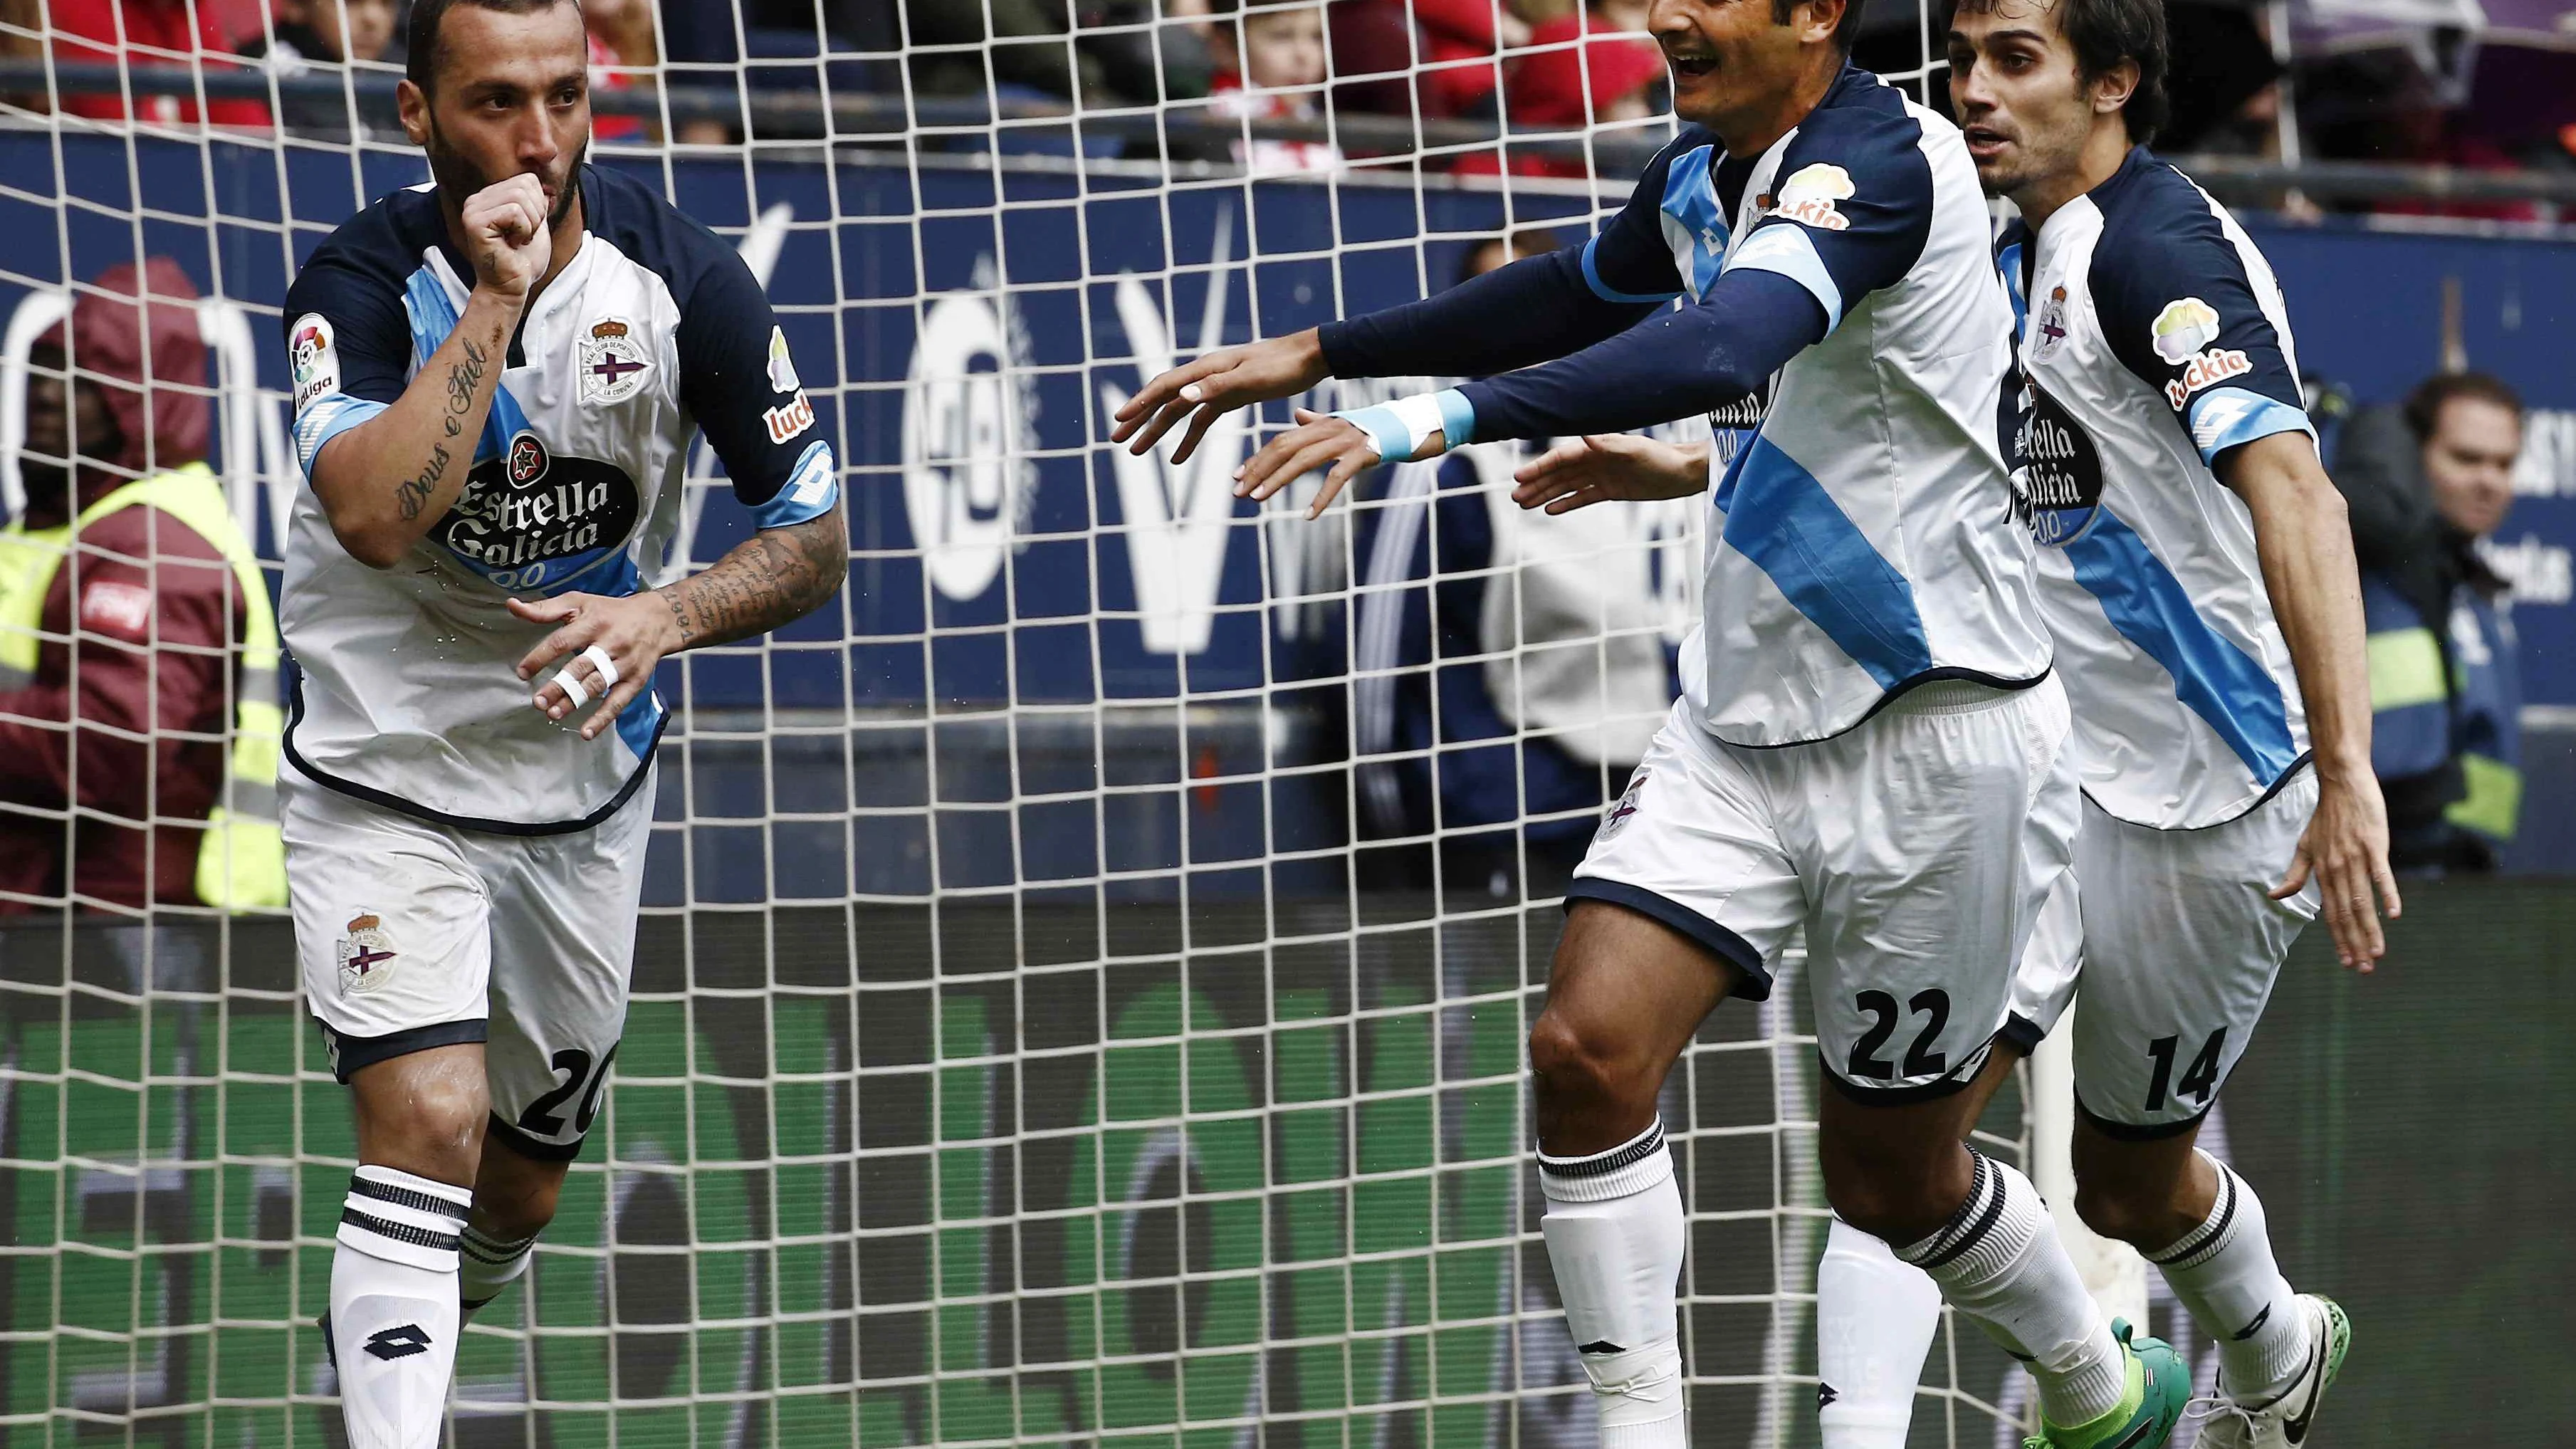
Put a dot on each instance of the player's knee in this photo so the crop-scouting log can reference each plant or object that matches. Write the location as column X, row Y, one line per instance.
column 1898, row 1194
column 438, row 1133
column 1883, row 1204
column 2126, row 1210
column 1578, row 1068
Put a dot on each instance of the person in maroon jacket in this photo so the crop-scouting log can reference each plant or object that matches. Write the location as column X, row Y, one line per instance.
column 127, row 707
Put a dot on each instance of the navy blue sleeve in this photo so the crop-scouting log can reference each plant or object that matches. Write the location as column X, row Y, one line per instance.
column 2174, row 299
column 1530, row 311
column 348, row 343
column 1849, row 212
column 739, row 383
column 1717, row 351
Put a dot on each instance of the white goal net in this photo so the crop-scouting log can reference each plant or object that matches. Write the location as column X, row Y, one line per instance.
column 1063, row 1011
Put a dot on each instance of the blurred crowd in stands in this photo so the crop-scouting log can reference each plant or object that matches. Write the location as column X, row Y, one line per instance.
column 2490, row 87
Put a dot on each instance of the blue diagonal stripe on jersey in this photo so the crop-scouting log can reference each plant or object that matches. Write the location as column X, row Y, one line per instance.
column 1780, row 517
column 2212, row 676
column 1691, row 202
column 2008, row 262
column 433, row 317
column 2227, row 417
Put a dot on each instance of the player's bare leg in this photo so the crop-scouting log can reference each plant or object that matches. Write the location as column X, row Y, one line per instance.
column 1904, row 1173
column 1624, row 997
column 1876, row 1316
column 514, row 1200
column 394, row 1312
column 2205, row 1230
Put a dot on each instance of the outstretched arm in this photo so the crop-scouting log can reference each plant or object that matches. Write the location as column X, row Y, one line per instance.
column 1707, row 355
column 776, row 576
column 1529, row 311
column 2306, row 550
column 1532, row 310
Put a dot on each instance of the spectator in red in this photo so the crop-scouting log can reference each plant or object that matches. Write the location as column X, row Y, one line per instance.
column 621, row 56
column 118, row 632
column 1564, row 85
column 1460, row 39
column 1270, row 66
column 145, row 33
column 1455, row 44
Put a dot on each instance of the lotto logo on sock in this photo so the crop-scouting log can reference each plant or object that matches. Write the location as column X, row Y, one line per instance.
column 400, row 1342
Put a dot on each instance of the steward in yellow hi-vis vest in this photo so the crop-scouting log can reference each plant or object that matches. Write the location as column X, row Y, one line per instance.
column 139, row 715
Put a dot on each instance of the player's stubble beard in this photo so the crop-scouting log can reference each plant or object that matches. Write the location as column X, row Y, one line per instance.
column 459, row 178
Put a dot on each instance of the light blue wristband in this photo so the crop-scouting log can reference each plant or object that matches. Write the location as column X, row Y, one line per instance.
column 1398, row 429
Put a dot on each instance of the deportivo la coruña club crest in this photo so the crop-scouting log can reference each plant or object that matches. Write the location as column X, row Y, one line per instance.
column 366, row 957
column 1618, row 813
column 612, row 367
column 2051, row 333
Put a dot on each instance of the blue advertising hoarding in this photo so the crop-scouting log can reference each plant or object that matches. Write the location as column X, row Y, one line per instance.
column 966, row 326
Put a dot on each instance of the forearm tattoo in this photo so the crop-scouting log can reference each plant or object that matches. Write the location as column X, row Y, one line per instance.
column 464, row 380
column 413, row 493
column 777, row 575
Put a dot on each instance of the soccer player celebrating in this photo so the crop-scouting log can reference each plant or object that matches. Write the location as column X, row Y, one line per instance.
column 2199, row 577
column 1870, row 745
column 496, row 379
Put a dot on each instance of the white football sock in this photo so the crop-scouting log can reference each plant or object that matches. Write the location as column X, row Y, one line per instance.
column 1998, row 1261
column 394, row 1308
column 1614, row 1236
column 486, row 1265
column 1875, row 1320
column 2223, row 1271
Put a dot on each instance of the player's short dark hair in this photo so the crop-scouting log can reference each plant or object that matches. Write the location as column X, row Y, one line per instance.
column 2105, row 33
column 420, row 33
column 2423, row 406
column 1845, row 31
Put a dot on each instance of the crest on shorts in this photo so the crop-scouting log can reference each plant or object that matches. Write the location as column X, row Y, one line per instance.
column 1627, row 805
column 366, row 957
column 613, row 368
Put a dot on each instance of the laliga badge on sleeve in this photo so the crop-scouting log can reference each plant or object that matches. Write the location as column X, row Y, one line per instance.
column 613, row 368
column 313, row 359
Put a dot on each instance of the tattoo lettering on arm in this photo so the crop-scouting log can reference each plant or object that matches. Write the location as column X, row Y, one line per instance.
column 413, row 493
column 464, row 379
column 778, row 574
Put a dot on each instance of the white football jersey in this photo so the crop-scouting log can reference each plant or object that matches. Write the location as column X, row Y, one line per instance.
column 1863, row 538
column 407, row 693
column 2154, row 340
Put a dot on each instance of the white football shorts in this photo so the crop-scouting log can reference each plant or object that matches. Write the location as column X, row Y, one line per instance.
column 2181, row 944
column 413, row 934
column 1916, row 851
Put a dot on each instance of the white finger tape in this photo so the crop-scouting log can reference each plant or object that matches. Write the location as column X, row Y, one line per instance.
column 571, row 687
column 606, row 666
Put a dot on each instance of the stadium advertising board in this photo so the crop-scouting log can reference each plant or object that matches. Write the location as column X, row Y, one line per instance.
column 973, row 328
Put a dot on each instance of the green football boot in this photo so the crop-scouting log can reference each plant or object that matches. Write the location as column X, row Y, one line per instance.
column 2159, row 1387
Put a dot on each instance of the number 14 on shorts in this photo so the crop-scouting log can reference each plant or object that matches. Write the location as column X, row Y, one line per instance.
column 2198, row 1080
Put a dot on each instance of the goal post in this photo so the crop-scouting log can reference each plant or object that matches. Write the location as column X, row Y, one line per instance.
column 1027, row 1047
